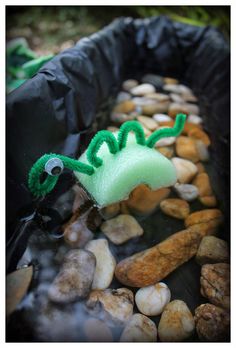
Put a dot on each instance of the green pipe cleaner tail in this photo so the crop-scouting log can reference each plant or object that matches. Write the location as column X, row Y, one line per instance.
column 167, row 132
column 39, row 188
column 128, row 127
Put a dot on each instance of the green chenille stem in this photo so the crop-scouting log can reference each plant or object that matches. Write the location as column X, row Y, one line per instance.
column 167, row 132
column 95, row 144
column 128, row 127
column 41, row 189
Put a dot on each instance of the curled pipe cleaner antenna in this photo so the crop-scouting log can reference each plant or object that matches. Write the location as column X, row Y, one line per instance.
column 167, row 132
column 128, row 127
column 96, row 142
column 53, row 165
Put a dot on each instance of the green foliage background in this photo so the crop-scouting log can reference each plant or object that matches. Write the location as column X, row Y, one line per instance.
column 52, row 28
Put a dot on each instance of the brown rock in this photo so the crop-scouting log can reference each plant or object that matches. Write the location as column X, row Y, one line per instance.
column 110, row 211
column 199, row 134
column 77, row 234
column 177, row 208
column 116, row 306
column 170, row 81
column 160, row 97
column 167, row 151
column 210, row 216
column 212, row 250
column 186, row 148
column 154, row 264
column 200, row 167
column 124, row 107
column 143, row 200
column 139, row 329
column 212, row 323
column 206, row 196
column 155, row 108
column 122, row 228
column 177, row 322
column 215, row 284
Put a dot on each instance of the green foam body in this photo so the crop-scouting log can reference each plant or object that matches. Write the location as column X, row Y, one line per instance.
column 121, row 173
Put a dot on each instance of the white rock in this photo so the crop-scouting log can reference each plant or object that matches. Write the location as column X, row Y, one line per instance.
column 185, row 90
column 97, row 331
column 172, row 88
column 121, row 228
column 185, row 170
column 129, row 84
column 187, row 192
column 194, row 119
column 143, row 89
column 139, row 329
column 161, row 118
column 202, row 150
column 151, row 300
column 148, row 122
column 141, row 101
column 177, row 322
column 105, row 263
column 176, row 98
column 165, row 141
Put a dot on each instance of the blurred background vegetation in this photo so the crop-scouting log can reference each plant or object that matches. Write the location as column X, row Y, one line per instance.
column 50, row 29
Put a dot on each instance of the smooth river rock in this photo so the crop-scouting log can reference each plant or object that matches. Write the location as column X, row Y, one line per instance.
column 212, row 250
column 174, row 207
column 139, row 329
column 105, row 263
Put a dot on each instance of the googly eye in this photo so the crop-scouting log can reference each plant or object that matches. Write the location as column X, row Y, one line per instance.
column 54, row 166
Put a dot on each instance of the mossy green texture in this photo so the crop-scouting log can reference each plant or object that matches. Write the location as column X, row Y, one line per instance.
column 123, row 171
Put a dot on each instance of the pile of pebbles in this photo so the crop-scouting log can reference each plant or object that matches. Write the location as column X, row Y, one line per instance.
column 119, row 300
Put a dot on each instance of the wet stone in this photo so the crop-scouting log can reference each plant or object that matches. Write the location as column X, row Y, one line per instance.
column 212, row 250
column 139, row 329
column 75, row 278
column 187, row 192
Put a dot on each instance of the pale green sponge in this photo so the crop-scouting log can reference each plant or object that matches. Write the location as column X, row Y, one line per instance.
column 113, row 164
column 121, row 172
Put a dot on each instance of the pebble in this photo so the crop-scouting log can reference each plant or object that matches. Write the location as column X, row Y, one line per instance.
column 129, row 84
column 143, row 201
column 172, row 88
column 156, row 108
column 200, row 167
column 170, row 81
column 153, row 79
column 141, row 101
column 148, row 122
column 161, row 118
column 185, row 108
column 189, row 98
column 211, row 216
column 177, row 323
column 212, row 250
column 195, row 119
column 122, row 96
column 139, row 329
column 80, row 197
column 198, row 134
column 167, row 151
column 151, row 300
column 212, row 323
column 125, row 107
column 186, row 191
column 186, row 148
column 202, row 150
column 176, row 98
column 97, row 331
column 144, row 88
column 114, row 305
column 207, row 197
column 75, row 278
column 158, row 96
column 121, row 229
column 215, row 284
column 175, row 207
column 165, row 141
column 185, row 170
column 77, row 234
column 110, row 211
column 105, row 263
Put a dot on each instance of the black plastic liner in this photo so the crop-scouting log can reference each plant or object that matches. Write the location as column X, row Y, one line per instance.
column 59, row 109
